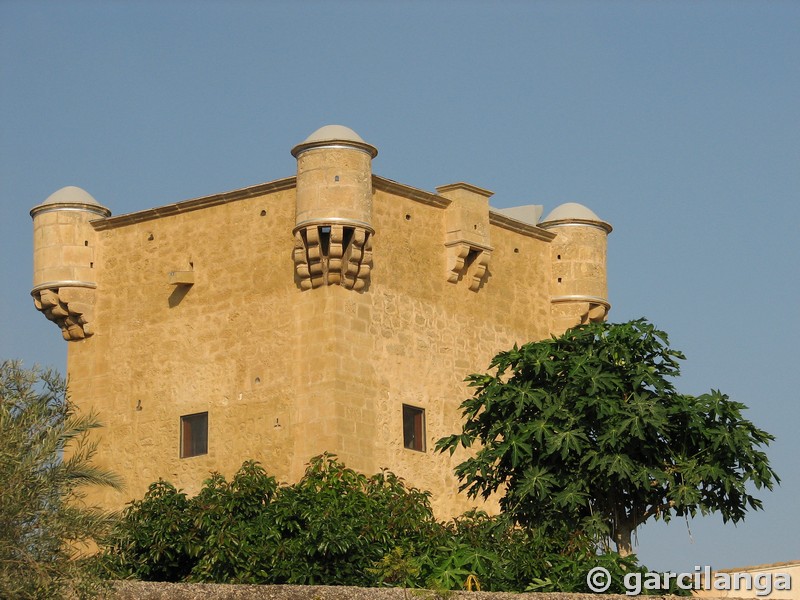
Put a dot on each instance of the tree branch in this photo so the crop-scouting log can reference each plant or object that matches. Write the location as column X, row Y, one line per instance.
column 652, row 511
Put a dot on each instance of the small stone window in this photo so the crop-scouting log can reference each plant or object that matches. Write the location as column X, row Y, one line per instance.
column 194, row 435
column 414, row 428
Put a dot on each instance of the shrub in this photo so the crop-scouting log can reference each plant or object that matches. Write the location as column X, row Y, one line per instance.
column 338, row 527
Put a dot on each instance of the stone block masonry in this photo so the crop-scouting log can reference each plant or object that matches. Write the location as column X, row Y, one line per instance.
column 137, row 590
column 334, row 310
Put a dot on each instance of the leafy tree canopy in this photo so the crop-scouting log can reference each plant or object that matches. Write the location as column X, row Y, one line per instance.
column 339, row 527
column 43, row 521
column 587, row 430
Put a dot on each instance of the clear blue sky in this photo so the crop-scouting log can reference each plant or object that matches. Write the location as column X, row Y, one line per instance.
column 678, row 122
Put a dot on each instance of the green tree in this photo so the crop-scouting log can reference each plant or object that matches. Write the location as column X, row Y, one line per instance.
column 44, row 523
column 339, row 527
column 328, row 528
column 587, row 430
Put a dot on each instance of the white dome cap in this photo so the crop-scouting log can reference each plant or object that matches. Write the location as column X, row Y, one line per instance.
column 74, row 197
column 70, row 195
column 334, row 132
column 331, row 134
column 572, row 212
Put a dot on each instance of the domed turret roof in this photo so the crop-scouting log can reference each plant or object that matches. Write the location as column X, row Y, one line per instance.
column 332, row 134
column 72, row 196
column 572, row 212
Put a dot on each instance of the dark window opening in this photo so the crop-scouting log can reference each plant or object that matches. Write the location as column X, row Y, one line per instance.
column 194, row 435
column 414, row 428
column 471, row 256
column 347, row 237
column 324, row 240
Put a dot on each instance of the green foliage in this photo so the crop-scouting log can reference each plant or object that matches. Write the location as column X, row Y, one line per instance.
column 232, row 518
column 43, row 520
column 397, row 569
column 324, row 529
column 333, row 527
column 586, row 431
column 158, row 539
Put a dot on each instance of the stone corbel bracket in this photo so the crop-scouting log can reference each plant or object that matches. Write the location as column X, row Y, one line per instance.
column 333, row 254
column 596, row 313
column 357, row 260
column 467, row 233
column 467, row 260
column 71, row 308
column 181, row 278
column 590, row 309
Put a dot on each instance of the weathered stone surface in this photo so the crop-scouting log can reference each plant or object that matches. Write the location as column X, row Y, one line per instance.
column 317, row 306
column 130, row 590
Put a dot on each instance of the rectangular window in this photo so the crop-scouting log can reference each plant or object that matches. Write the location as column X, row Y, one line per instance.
column 414, row 428
column 194, row 435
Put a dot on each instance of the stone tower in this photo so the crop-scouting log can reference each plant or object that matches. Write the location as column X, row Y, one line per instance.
column 330, row 310
column 333, row 213
column 578, row 254
column 64, row 244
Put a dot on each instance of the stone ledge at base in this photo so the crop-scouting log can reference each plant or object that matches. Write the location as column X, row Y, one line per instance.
column 145, row 590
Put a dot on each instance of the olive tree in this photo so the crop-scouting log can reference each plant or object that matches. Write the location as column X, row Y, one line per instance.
column 45, row 459
column 588, row 430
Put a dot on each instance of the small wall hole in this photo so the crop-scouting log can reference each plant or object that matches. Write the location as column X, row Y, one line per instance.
column 263, row 213
column 86, row 243
column 336, row 178
column 559, row 280
column 558, row 257
column 408, row 217
column 91, row 265
column 258, row 380
column 150, row 237
column 516, row 250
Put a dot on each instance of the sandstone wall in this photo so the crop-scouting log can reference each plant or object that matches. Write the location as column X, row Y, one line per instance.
column 286, row 373
column 212, row 305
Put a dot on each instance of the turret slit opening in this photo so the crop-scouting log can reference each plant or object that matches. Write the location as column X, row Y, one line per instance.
column 347, row 237
column 325, row 240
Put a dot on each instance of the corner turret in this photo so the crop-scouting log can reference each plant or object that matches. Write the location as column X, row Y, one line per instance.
column 579, row 287
column 63, row 260
column 333, row 217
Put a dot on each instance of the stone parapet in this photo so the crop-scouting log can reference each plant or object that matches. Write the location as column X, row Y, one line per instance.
column 139, row 590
